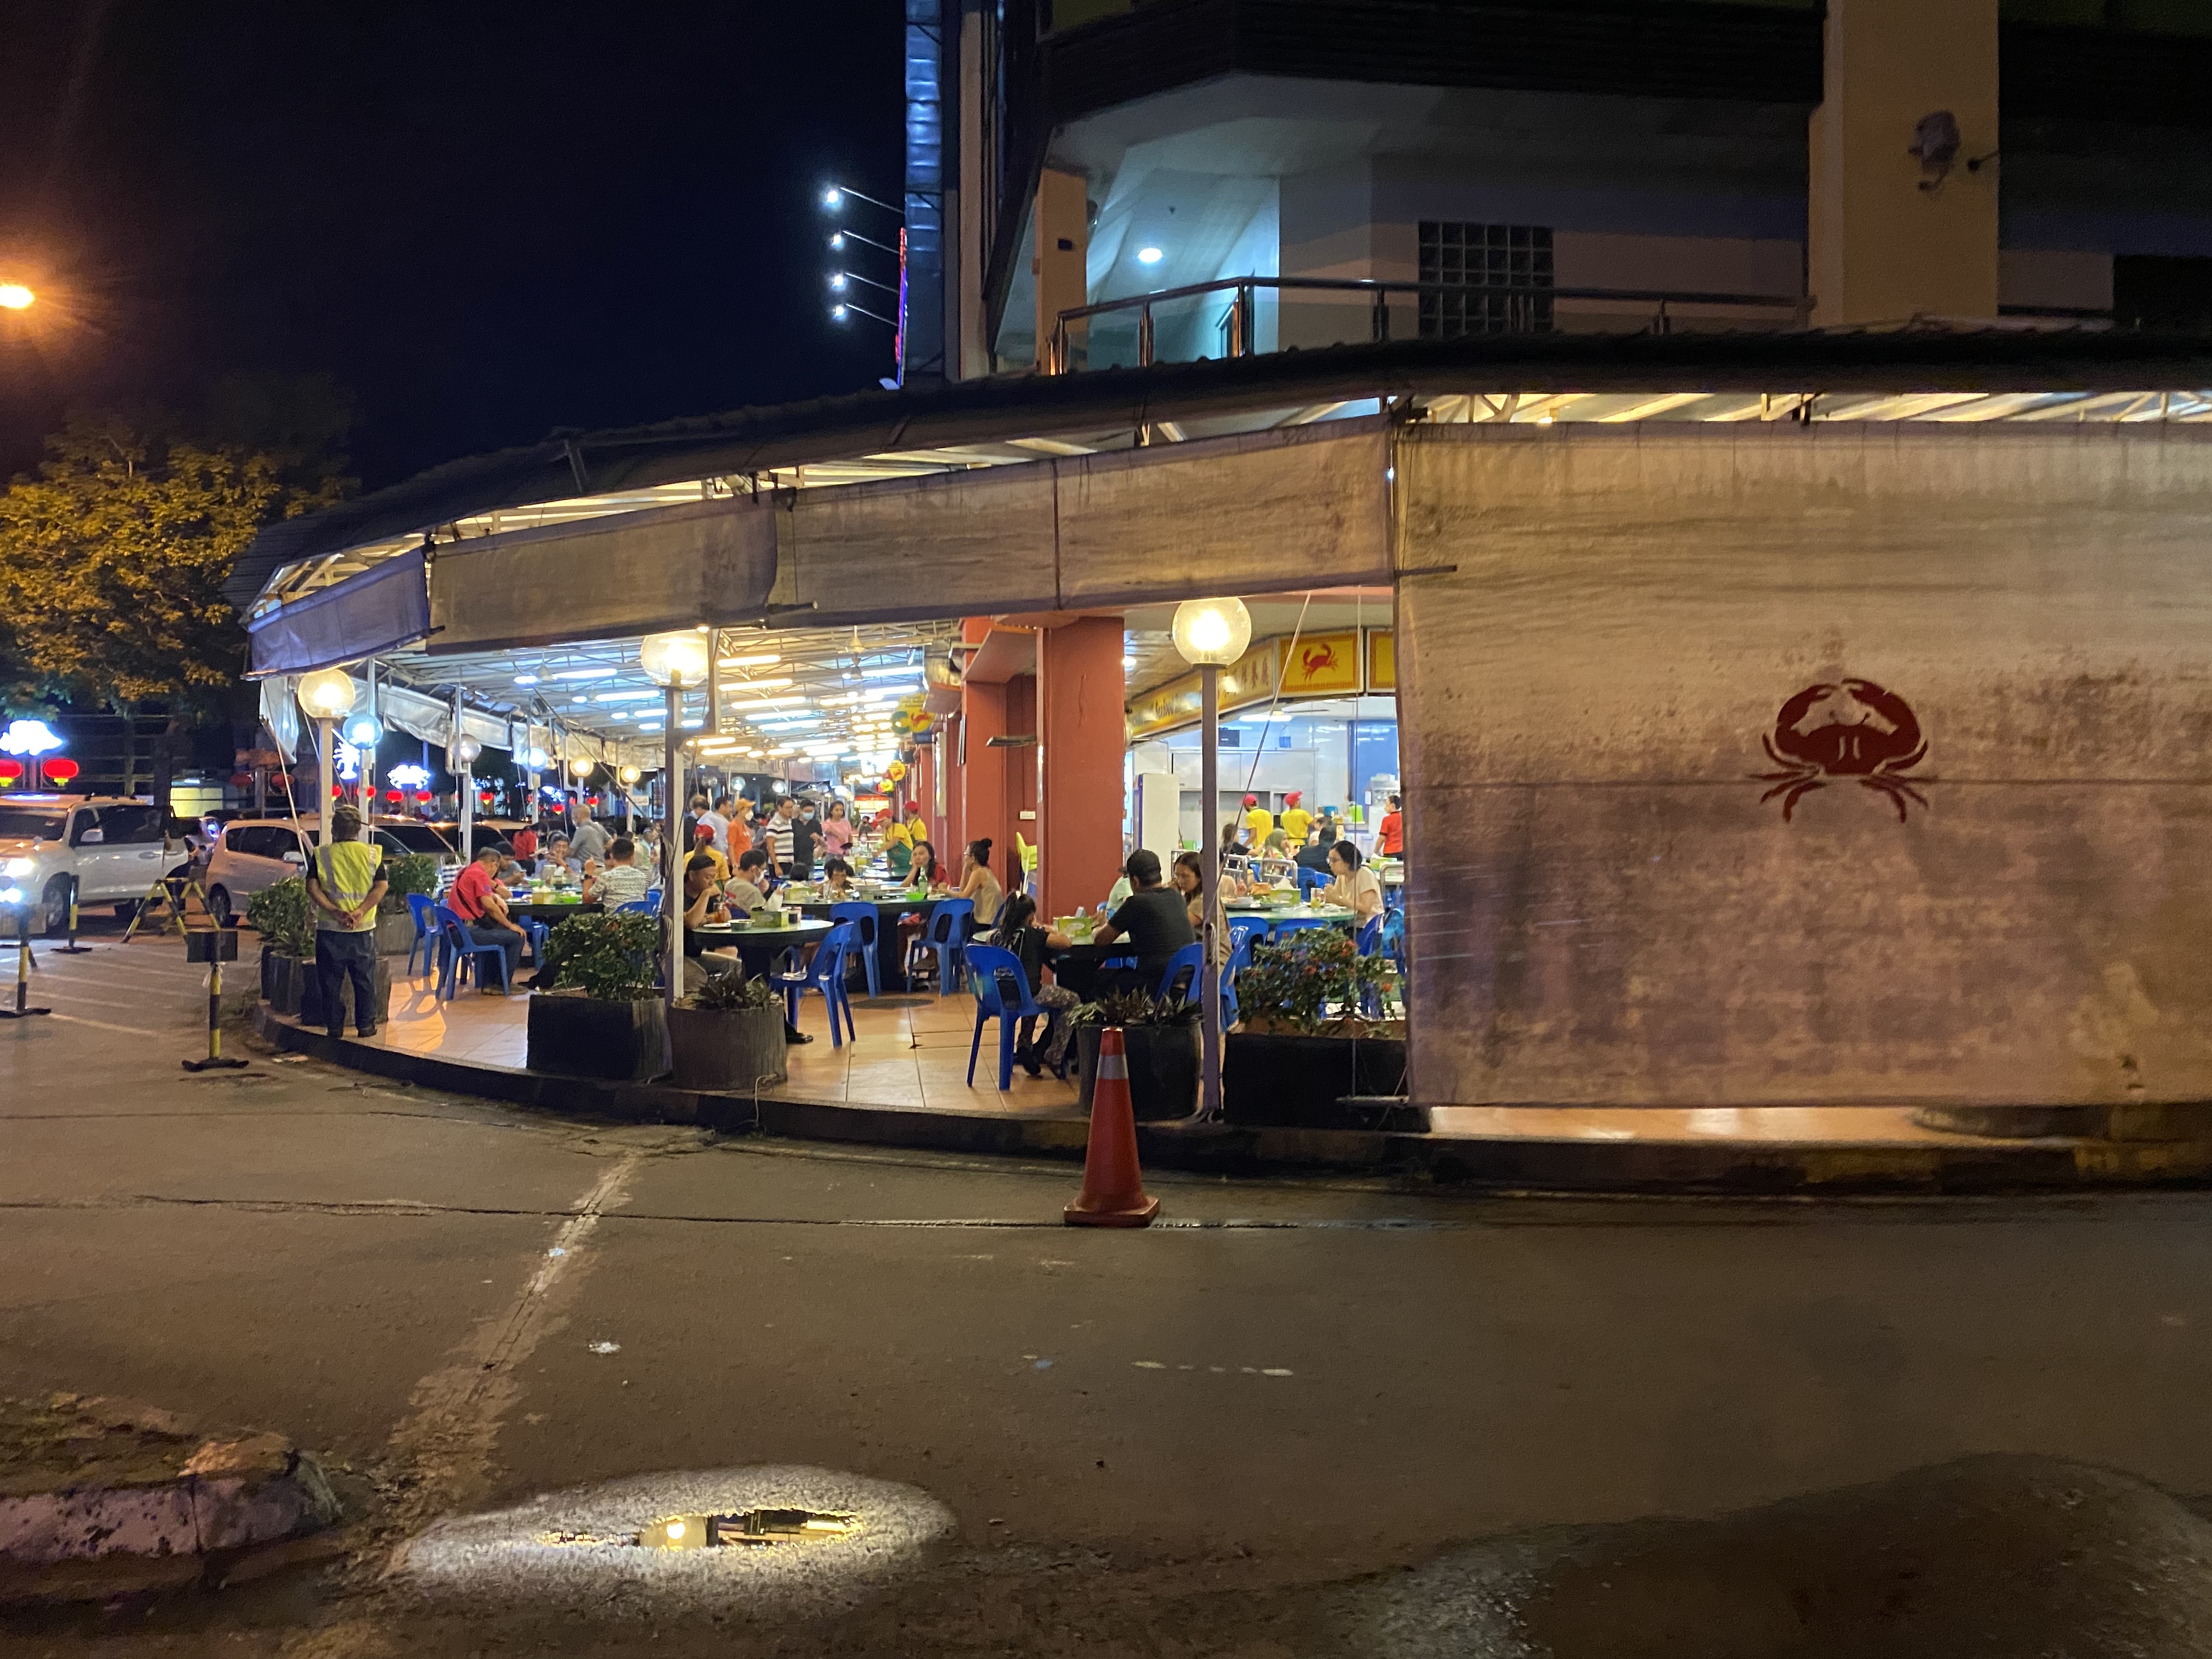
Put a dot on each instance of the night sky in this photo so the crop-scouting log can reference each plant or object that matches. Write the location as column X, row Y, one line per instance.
column 482, row 219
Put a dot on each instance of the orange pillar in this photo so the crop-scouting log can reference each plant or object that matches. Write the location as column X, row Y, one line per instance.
column 1081, row 738
column 983, row 809
column 948, row 758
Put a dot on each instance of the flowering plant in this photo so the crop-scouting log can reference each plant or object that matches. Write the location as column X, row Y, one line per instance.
column 1296, row 983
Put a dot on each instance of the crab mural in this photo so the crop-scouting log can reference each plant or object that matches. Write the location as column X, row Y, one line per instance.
column 1851, row 731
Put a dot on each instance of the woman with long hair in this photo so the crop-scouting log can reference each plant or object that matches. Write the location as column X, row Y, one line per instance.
column 838, row 830
column 1017, row 932
column 978, row 884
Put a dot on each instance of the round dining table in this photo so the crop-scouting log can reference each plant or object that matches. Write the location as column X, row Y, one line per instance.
column 890, row 955
column 758, row 946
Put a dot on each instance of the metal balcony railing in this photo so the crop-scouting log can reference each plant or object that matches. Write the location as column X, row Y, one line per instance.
column 1502, row 309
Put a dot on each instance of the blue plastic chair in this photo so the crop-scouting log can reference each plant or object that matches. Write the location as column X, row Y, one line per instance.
column 1179, row 981
column 864, row 921
column 424, row 908
column 994, row 974
column 461, row 952
column 1288, row 924
column 648, row 906
column 1243, row 930
column 1369, row 935
column 946, row 933
column 825, row 974
column 1312, row 881
column 652, row 897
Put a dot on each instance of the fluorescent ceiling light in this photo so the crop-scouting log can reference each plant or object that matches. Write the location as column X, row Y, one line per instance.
column 585, row 674
column 761, row 662
column 914, row 669
column 1150, row 256
column 766, row 683
column 689, row 725
column 621, row 713
column 646, row 694
column 768, row 703
column 526, row 679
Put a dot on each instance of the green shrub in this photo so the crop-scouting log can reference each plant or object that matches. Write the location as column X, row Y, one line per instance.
column 410, row 873
column 607, row 957
column 284, row 916
column 1295, row 983
column 727, row 991
column 1129, row 1008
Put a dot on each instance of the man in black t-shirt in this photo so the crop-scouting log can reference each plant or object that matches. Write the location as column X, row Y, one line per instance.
column 1156, row 920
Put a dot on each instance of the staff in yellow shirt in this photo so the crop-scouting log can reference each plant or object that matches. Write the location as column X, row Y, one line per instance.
column 1258, row 820
column 1296, row 821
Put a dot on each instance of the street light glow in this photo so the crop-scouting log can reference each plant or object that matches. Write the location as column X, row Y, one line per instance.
column 831, row 196
column 837, row 281
column 13, row 297
column 1150, row 256
column 838, row 312
column 838, row 240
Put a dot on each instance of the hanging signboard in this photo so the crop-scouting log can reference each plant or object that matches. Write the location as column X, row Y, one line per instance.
column 1382, row 660
column 1320, row 665
column 1250, row 680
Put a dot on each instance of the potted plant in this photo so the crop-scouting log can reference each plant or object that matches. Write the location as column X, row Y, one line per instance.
column 410, row 873
column 1161, row 1040
column 727, row 1035
column 284, row 917
column 1303, row 1046
column 603, row 1017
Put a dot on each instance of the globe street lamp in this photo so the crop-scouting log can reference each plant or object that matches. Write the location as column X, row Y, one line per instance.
column 674, row 662
column 1211, row 634
column 629, row 775
column 327, row 696
column 466, row 751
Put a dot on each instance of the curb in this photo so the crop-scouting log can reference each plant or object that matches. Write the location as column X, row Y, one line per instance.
column 1516, row 1164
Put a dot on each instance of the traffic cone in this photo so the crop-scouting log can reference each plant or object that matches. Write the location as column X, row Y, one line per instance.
column 1113, row 1187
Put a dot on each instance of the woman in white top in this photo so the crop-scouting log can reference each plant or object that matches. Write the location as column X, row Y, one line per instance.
column 1356, row 887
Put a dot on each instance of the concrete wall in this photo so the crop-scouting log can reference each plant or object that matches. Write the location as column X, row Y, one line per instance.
column 1604, row 907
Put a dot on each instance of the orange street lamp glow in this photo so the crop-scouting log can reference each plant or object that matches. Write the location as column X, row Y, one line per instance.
column 13, row 297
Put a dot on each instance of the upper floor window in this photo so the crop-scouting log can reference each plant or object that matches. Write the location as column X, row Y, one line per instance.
column 1459, row 260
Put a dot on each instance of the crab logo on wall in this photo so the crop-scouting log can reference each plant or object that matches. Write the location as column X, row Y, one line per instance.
column 1853, row 731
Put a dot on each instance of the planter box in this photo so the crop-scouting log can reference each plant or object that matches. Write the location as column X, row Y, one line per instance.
column 581, row 1036
column 311, row 996
column 284, row 980
column 726, row 1049
column 1305, row 1082
column 395, row 935
column 1163, row 1068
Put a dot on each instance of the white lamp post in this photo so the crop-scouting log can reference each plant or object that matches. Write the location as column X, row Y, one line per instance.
column 1211, row 634
column 327, row 696
column 672, row 662
column 466, row 751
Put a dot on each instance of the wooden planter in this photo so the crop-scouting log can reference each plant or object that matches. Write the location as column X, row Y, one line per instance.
column 311, row 996
column 395, row 935
column 1163, row 1068
column 283, row 980
column 1302, row 1082
column 582, row 1036
column 726, row 1049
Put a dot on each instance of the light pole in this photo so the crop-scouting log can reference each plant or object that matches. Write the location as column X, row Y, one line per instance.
column 327, row 696
column 466, row 751
column 629, row 775
column 1211, row 634
column 674, row 662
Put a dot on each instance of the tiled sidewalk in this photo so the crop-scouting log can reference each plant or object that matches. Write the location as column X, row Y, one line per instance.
column 910, row 1052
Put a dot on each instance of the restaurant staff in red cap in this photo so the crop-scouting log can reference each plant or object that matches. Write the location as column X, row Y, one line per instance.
column 1258, row 820
column 1296, row 821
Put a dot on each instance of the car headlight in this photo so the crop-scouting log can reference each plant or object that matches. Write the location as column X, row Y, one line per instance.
column 19, row 867
column 11, row 895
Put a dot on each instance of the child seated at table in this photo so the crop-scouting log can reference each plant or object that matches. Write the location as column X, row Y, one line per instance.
column 1017, row 932
column 837, row 881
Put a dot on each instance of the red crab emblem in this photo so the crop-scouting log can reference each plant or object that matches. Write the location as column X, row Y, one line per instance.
column 1854, row 730
column 1315, row 658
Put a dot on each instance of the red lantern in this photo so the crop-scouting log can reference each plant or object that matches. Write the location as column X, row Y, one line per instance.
column 10, row 770
column 59, row 769
column 394, row 796
column 424, row 796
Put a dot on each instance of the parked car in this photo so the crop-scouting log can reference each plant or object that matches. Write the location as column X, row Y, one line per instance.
column 115, row 847
column 253, row 854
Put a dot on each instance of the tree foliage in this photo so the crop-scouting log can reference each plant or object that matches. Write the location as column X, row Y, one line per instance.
column 113, row 559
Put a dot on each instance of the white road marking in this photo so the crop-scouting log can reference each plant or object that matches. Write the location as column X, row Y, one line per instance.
column 101, row 1024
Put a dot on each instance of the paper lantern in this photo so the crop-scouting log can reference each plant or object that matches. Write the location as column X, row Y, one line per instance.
column 424, row 796
column 896, row 771
column 394, row 796
column 11, row 771
column 60, row 771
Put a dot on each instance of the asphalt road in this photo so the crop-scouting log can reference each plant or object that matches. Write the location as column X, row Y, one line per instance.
column 1169, row 1442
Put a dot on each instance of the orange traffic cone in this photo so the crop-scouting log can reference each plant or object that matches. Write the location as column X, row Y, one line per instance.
column 1113, row 1187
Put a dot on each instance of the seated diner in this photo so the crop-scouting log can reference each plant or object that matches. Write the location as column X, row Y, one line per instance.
column 1154, row 919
